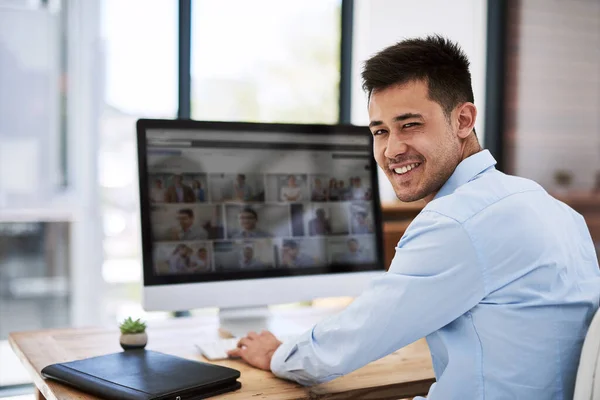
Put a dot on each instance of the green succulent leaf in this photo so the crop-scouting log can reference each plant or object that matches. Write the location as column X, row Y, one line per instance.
column 129, row 326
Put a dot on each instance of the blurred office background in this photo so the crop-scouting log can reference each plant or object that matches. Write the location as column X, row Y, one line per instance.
column 75, row 75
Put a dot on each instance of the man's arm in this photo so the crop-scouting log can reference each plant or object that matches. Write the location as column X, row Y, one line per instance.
column 434, row 278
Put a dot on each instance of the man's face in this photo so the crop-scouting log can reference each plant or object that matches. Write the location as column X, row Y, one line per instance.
column 185, row 221
column 292, row 251
column 178, row 180
column 292, row 181
column 202, row 254
column 411, row 131
column 240, row 180
column 247, row 221
column 248, row 253
column 361, row 218
column 158, row 184
column 352, row 246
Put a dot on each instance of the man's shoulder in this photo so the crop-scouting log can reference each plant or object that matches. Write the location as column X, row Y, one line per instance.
column 493, row 189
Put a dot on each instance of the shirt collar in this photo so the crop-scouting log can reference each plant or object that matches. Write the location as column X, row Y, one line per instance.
column 466, row 171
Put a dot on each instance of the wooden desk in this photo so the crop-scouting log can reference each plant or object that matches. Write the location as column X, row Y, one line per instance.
column 405, row 373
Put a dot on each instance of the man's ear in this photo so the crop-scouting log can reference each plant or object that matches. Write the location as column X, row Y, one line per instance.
column 466, row 116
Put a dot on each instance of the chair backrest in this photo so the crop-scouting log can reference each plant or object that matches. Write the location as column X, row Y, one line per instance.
column 587, row 384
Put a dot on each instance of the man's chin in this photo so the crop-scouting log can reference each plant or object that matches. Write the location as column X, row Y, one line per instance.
column 409, row 197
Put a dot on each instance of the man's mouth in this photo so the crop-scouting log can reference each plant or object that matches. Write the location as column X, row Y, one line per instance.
column 406, row 168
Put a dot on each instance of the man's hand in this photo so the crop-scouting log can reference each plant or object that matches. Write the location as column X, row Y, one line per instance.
column 257, row 349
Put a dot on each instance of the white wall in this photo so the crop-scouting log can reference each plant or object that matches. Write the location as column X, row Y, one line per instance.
column 381, row 23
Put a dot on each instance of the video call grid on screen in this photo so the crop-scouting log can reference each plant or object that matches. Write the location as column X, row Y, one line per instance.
column 248, row 202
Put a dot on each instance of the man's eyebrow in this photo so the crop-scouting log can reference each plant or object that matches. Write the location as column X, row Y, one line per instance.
column 398, row 118
column 406, row 116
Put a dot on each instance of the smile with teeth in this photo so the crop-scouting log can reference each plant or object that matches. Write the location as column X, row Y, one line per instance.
column 406, row 168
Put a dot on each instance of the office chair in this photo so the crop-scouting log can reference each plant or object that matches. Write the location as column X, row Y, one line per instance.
column 587, row 383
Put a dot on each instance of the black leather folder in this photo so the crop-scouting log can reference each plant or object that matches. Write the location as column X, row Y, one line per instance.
column 145, row 375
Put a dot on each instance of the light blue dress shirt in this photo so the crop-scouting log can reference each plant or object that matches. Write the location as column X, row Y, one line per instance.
column 500, row 277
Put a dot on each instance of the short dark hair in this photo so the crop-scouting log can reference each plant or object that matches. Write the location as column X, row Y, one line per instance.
column 290, row 243
column 187, row 211
column 249, row 211
column 434, row 59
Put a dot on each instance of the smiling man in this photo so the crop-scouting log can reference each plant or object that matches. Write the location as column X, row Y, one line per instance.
column 501, row 278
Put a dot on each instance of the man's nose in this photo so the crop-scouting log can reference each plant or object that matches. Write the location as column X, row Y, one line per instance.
column 395, row 147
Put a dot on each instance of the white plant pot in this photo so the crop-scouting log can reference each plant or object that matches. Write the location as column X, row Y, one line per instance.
column 133, row 341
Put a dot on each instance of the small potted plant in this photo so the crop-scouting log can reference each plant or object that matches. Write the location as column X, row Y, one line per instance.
column 133, row 334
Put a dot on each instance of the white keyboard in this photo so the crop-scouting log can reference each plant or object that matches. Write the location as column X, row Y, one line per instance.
column 217, row 349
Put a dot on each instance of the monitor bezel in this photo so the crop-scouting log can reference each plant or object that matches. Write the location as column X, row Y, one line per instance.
column 150, row 279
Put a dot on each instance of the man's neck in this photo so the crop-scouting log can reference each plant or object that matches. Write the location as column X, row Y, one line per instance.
column 470, row 148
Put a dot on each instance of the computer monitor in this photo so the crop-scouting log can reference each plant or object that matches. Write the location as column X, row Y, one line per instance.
column 243, row 215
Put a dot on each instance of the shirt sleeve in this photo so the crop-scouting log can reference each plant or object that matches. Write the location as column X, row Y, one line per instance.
column 434, row 278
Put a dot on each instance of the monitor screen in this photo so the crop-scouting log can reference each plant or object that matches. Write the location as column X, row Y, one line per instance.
column 224, row 201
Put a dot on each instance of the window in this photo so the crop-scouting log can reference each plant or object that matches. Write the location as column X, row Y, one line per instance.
column 140, row 47
column 34, row 286
column 266, row 60
column 274, row 66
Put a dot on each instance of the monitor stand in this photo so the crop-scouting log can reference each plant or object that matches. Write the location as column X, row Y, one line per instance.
column 238, row 321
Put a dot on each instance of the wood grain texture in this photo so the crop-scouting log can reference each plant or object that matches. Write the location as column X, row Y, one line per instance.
column 405, row 373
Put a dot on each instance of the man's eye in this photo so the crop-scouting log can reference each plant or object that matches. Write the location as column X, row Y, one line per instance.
column 410, row 125
column 379, row 132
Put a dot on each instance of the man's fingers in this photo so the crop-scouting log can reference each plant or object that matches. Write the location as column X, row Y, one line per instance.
column 235, row 353
column 252, row 335
column 244, row 342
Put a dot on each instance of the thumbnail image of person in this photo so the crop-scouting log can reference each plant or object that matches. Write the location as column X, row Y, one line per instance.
column 361, row 222
column 248, row 259
column 354, row 253
column 237, row 255
column 157, row 192
column 333, row 192
column 319, row 225
column 241, row 189
column 198, row 190
column 184, row 258
column 257, row 220
column 199, row 262
column 179, row 259
column 357, row 190
column 186, row 228
column 178, row 192
column 292, row 257
column 248, row 225
column 319, row 191
column 291, row 191
column 343, row 192
column 334, row 219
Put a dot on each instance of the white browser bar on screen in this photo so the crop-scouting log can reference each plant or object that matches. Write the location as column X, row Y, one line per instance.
column 171, row 136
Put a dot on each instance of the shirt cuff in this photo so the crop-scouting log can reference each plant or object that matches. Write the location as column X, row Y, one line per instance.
column 280, row 356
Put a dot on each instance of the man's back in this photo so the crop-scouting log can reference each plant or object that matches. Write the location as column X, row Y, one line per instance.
column 500, row 277
column 542, row 286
